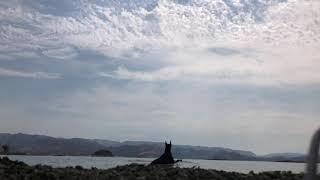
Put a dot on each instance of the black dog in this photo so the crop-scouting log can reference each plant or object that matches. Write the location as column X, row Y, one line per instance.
column 166, row 157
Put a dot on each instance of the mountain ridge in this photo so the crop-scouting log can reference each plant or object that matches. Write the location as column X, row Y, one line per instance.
column 46, row 145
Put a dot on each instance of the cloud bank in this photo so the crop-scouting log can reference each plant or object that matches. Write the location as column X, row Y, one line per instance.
column 271, row 38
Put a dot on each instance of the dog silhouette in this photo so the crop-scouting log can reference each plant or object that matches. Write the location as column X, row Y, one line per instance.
column 166, row 157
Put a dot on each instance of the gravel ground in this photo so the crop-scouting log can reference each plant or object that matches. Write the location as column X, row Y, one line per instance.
column 16, row 170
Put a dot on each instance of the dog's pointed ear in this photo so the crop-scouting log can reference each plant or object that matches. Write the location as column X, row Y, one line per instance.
column 165, row 142
column 170, row 142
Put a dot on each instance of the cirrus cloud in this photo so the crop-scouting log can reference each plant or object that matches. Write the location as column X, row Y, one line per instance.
column 22, row 74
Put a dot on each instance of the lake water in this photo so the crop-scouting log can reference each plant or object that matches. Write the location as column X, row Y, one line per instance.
column 109, row 162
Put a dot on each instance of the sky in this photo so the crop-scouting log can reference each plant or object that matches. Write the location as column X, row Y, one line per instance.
column 241, row 74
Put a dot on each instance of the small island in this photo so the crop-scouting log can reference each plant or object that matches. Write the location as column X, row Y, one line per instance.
column 103, row 153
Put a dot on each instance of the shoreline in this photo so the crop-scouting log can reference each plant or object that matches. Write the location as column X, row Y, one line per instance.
column 18, row 170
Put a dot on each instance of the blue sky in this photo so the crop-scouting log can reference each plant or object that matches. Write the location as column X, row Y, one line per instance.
column 242, row 74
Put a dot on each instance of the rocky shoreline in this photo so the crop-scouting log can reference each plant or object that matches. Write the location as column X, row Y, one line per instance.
column 14, row 170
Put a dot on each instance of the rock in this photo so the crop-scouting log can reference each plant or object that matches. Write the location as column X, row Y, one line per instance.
column 79, row 168
column 17, row 170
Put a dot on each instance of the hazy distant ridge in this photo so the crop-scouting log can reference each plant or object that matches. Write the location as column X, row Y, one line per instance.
column 46, row 145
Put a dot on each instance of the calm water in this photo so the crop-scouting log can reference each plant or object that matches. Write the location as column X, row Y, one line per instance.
column 109, row 162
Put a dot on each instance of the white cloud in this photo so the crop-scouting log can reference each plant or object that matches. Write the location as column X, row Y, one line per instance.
column 286, row 35
column 22, row 74
column 60, row 53
column 271, row 65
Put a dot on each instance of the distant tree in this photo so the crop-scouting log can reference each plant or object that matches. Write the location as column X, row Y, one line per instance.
column 5, row 149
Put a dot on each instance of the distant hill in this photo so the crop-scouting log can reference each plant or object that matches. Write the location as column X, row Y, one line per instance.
column 285, row 157
column 288, row 155
column 155, row 149
column 46, row 145
column 107, row 143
